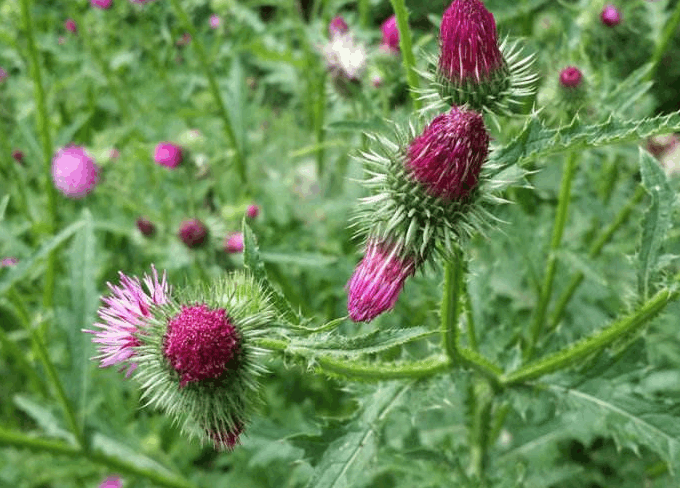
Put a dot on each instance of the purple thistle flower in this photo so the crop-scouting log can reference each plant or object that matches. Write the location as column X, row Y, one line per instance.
column 225, row 440
column 448, row 156
column 102, row 4
column 377, row 281
column 168, row 154
column 214, row 21
column 234, row 243
column 7, row 262
column 145, row 226
column 70, row 25
column 193, row 233
column 570, row 77
column 337, row 26
column 390, row 35
column 112, row 482
column 75, row 174
column 201, row 344
column 125, row 313
column 610, row 15
column 18, row 156
column 469, row 44
column 3, row 75
column 252, row 211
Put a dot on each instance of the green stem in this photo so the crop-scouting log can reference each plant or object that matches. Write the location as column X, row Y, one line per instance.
column 450, row 306
column 319, row 115
column 380, row 372
column 551, row 266
column 481, row 403
column 594, row 251
column 480, row 364
column 469, row 319
column 405, row 44
column 215, row 89
column 597, row 342
column 43, row 123
column 364, row 11
column 20, row 440
column 668, row 32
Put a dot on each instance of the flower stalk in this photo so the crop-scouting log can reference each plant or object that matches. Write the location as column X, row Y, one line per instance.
column 405, row 44
column 450, row 306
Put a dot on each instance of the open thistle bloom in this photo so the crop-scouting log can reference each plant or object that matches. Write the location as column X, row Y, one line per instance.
column 570, row 77
column 473, row 68
column 74, row 173
column 337, row 26
column 610, row 16
column 167, row 154
column 193, row 233
column 124, row 315
column 377, row 280
column 447, row 157
column 345, row 58
column 390, row 35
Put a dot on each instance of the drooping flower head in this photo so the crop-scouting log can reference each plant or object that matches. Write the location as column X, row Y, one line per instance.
column 145, row 226
column 252, row 211
column 377, row 280
column 447, row 157
column 167, row 154
column 570, row 77
column 126, row 314
column 234, row 243
column 214, row 21
column 390, row 35
column 337, row 26
column 112, row 482
column 193, row 233
column 610, row 16
column 74, row 173
column 70, row 26
column 102, row 4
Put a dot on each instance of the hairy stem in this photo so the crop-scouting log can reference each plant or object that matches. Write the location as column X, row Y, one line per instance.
column 481, row 402
column 594, row 251
column 450, row 306
column 551, row 266
column 405, row 44
column 215, row 89
column 469, row 319
column 576, row 352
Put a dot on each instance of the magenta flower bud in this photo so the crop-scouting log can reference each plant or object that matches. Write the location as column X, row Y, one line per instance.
column 570, row 77
column 146, row 227
column 193, row 233
column 201, row 344
column 70, row 25
column 377, row 281
column 470, row 54
column 168, row 154
column 252, row 211
column 337, row 26
column 234, row 243
column 18, row 156
column 214, row 21
column 448, row 156
column 75, row 174
column 7, row 262
column 610, row 16
column 102, row 4
column 112, row 482
column 390, row 35
column 3, row 75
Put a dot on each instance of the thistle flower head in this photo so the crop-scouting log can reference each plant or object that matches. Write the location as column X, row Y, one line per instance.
column 390, row 35
column 252, row 211
column 70, row 26
column 125, row 314
column 214, row 21
column 610, row 15
column 337, row 26
column 193, row 233
column 3, row 75
column 7, row 262
column 102, row 4
column 167, row 154
column 377, row 280
column 74, row 173
column 234, row 243
column 447, row 157
column 345, row 58
column 570, row 77
column 145, row 226
column 18, row 156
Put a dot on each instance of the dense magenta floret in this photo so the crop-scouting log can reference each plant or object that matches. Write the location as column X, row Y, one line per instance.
column 448, row 156
column 390, row 34
column 193, row 233
column 75, row 174
column 377, row 281
column 570, row 77
column 337, row 26
column 168, row 154
column 610, row 16
column 201, row 343
column 234, row 243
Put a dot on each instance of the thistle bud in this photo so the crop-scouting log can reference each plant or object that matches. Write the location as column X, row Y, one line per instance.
column 70, row 26
column 74, row 173
column 377, row 280
column 610, row 16
column 390, row 35
column 252, row 211
column 193, row 233
column 8, row 262
column 18, row 156
column 570, row 77
column 146, row 227
column 337, row 26
column 447, row 157
column 234, row 243
column 214, row 21
column 167, row 154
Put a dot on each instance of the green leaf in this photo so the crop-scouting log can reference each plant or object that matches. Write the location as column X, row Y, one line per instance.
column 346, row 459
column 656, row 221
column 252, row 260
column 3, row 206
column 44, row 417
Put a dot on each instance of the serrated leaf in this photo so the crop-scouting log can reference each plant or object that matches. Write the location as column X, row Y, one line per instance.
column 372, row 342
column 656, row 221
column 252, row 260
column 345, row 460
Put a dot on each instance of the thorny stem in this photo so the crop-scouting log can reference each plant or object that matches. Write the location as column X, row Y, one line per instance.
column 450, row 306
column 481, row 402
column 469, row 319
column 405, row 45
column 594, row 251
column 551, row 266
column 43, row 123
column 215, row 89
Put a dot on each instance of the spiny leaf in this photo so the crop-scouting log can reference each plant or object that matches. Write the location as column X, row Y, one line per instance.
column 656, row 221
